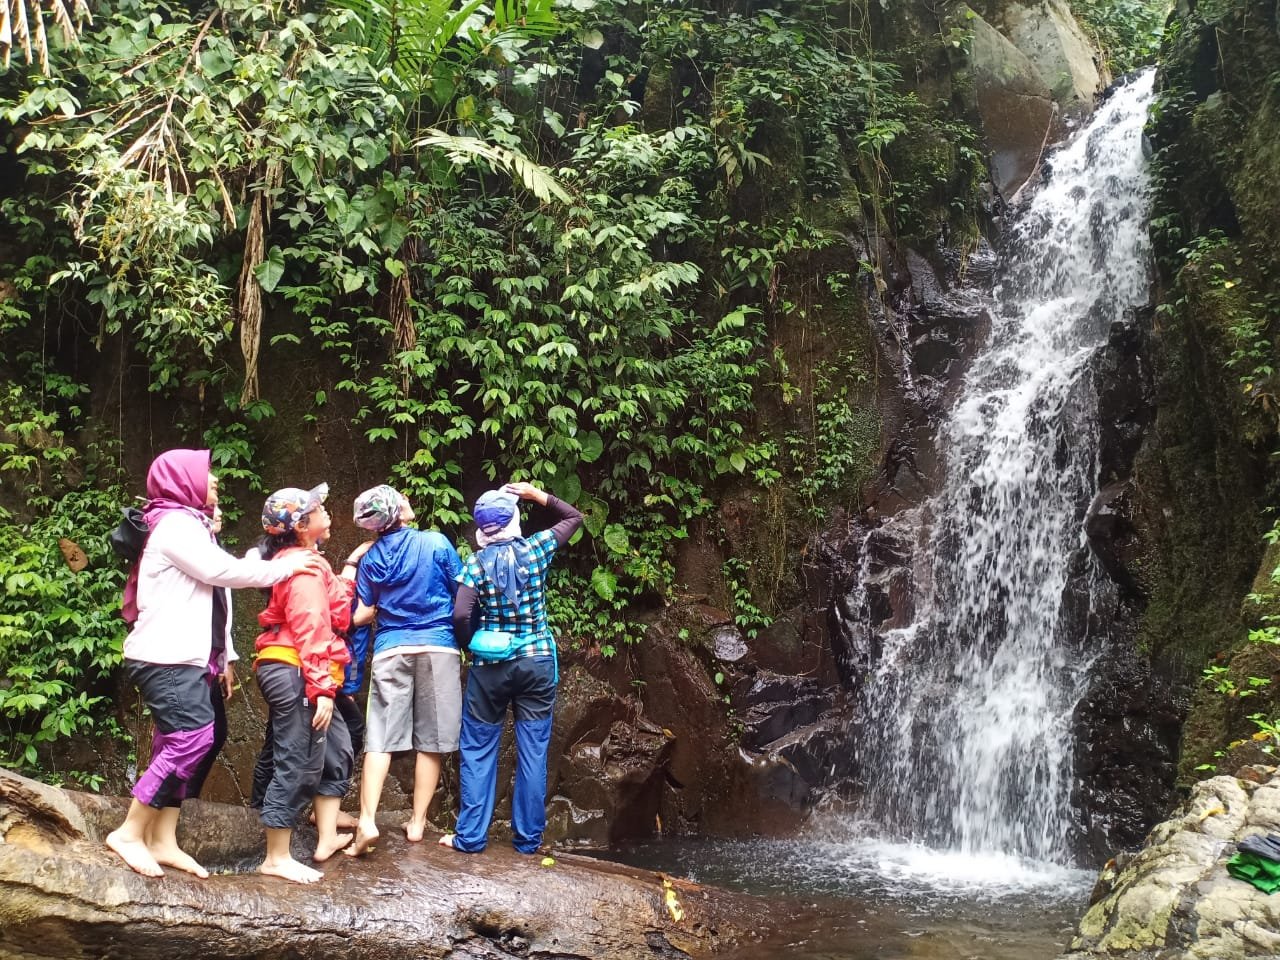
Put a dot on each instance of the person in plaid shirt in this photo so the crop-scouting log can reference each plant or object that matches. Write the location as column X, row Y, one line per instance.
column 505, row 581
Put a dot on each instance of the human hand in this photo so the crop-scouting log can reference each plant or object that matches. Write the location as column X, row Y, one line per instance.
column 526, row 491
column 324, row 713
column 359, row 552
column 228, row 681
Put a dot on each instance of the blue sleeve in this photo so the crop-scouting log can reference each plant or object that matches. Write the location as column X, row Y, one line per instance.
column 365, row 591
column 450, row 565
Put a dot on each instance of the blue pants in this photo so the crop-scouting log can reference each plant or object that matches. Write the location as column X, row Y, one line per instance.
column 528, row 686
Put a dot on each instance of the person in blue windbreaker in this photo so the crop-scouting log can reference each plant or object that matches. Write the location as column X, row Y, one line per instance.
column 407, row 579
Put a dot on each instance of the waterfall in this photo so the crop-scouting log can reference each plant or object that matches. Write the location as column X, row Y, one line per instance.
column 966, row 711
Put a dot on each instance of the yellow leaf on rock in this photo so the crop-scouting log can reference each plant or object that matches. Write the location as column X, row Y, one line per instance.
column 671, row 901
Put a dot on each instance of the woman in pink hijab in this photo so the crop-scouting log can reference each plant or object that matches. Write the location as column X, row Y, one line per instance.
column 170, row 651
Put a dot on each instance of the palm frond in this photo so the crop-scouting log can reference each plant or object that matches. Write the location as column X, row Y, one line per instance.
column 536, row 178
column 22, row 23
column 411, row 36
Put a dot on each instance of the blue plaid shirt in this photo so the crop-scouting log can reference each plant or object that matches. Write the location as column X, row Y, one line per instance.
column 528, row 620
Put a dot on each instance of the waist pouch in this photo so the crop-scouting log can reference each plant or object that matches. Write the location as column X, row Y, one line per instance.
column 493, row 644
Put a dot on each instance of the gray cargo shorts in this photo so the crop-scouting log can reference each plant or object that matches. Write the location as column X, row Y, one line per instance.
column 415, row 702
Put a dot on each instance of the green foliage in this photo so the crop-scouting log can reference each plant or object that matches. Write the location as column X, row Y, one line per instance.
column 1224, row 680
column 831, row 459
column 588, row 617
column 749, row 618
column 60, row 630
column 1128, row 32
column 1214, row 280
column 431, row 44
column 343, row 174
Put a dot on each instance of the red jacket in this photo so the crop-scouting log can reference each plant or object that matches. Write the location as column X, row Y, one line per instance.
column 302, row 620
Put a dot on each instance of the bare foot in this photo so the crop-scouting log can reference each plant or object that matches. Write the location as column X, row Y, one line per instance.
column 179, row 859
column 447, row 841
column 366, row 837
column 345, row 820
column 413, row 831
column 135, row 854
column 325, row 850
column 290, row 870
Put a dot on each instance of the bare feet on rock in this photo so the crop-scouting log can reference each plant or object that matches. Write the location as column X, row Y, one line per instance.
column 291, row 870
column 179, row 859
column 366, row 837
column 345, row 820
column 135, row 854
column 447, row 841
column 413, row 830
column 325, row 850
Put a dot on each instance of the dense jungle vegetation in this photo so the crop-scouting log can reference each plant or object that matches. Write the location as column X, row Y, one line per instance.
column 624, row 250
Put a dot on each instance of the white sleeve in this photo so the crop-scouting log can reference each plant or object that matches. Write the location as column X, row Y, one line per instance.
column 184, row 541
column 229, row 655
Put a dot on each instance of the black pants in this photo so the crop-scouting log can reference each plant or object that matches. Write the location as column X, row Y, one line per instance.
column 216, row 700
column 305, row 762
column 352, row 715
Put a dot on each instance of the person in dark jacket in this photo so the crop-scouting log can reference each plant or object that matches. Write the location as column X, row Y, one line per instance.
column 505, row 580
column 415, row 693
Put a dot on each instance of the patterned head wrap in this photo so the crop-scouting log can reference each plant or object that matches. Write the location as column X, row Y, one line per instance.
column 378, row 508
column 285, row 508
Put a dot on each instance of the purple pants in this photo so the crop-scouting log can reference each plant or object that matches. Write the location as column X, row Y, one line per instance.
column 178, row 698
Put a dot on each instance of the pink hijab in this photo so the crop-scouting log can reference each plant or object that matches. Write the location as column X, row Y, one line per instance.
column 176, row 480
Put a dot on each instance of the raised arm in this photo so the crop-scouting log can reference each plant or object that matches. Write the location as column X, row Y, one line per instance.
column 568, row 518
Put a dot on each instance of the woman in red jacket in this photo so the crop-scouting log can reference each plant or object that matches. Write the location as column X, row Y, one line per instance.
column 300, row 668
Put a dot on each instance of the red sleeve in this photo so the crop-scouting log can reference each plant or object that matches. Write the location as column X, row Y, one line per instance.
column 307, row 617
column 340, row 604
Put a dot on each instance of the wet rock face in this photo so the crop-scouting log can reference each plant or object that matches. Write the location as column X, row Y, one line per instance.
column 1174, row 900
column 1126, row 730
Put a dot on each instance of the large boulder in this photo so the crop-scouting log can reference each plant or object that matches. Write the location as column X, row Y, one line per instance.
column 1016, row 105
column 1174, row 899
column 1049, row 36
column 63, row 894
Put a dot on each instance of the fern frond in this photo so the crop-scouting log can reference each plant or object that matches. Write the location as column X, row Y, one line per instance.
column 536, row 178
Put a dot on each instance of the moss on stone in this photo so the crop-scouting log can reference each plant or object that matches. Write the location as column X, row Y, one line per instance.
column 1204, row 476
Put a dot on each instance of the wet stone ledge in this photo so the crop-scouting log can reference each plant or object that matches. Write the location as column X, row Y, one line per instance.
column 63, row 895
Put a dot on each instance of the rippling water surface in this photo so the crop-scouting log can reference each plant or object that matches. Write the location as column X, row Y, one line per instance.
column 846, row 898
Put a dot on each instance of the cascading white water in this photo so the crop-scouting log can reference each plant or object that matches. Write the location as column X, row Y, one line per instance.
column 967, row 713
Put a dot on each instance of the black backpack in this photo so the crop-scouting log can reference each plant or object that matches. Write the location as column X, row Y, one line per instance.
column 130, row 535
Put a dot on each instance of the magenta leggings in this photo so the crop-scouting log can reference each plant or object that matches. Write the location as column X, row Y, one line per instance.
column 178, row 697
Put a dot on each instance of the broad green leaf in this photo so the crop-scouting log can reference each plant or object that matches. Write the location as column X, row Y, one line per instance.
column 617, row 539
column 604, row 582
column 592, row 447
column 270, row 270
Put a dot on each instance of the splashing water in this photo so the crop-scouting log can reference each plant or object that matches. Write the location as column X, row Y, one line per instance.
column 967, row 711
